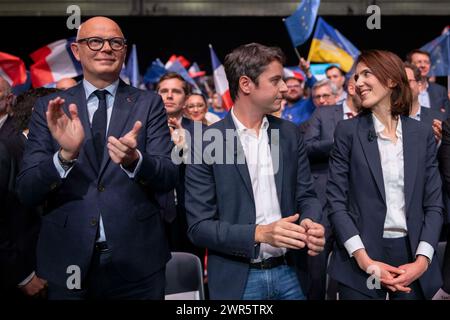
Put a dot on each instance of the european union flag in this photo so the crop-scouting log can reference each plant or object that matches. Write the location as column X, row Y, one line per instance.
column 439, row 50
column 301, row 23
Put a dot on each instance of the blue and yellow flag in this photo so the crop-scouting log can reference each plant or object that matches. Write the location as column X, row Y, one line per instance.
column 329, row 45
column 301, row 23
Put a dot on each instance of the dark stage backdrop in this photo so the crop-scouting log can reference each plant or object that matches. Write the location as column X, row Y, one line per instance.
column 159, row 37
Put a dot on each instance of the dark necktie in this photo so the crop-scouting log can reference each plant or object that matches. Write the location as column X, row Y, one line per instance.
column 99, row 125
column 349, row 115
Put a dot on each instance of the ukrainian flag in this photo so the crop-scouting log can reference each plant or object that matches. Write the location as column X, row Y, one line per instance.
column 329, row 45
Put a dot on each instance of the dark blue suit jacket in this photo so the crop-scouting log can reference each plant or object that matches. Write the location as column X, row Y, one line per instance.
column 427, row 115
column 8, row 130
column 438, row 98
column 319, row 141
column 356, row 197
column 220, row 204
column 133, row 226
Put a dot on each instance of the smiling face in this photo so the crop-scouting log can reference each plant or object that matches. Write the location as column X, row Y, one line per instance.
column 106, row 63
column 196, row 108
column 268, row 93
column 370, row 90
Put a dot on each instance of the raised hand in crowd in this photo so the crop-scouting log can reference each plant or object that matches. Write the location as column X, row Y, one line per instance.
column 67, row 131
column 123, row 150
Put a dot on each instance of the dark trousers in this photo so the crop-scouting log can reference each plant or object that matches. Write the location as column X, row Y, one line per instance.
column 396, row 252
column 104, row 282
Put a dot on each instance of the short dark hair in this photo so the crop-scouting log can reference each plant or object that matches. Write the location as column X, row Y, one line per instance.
column 412, row 52
column 335, row 67
column 174, row 75
column 386, row 66
column 23, row 107
column 249, row 60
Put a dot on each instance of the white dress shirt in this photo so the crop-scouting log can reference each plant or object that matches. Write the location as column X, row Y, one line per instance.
column 346, row 110
column 392, row 164
column 260, row 167
column 424, row 98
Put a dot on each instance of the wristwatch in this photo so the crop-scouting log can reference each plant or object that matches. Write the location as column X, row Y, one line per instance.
column 65, row 164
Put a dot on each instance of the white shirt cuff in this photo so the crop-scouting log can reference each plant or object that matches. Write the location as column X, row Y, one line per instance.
column 62, row 173
column 353, row 244
column 138, row 166
column 27, row 279
column 425, row 249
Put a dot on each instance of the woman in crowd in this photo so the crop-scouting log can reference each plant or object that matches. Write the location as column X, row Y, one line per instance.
column 384, row 191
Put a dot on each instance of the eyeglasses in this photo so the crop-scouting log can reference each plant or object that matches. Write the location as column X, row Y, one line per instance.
column 96, row 43
column 325, row 96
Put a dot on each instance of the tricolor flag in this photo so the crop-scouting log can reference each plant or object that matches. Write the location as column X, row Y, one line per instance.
column 301, row 23
column 54, row 62
column 184, row 62
column 329, row 45
column 220, row 80
column 293, row 72
column 12, row 69
column 194, row 71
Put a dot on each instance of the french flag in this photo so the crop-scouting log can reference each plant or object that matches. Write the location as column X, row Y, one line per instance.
column 12, row 69
column 293, row 72
column 184, row 62
column 54, row 62
column 220, row 80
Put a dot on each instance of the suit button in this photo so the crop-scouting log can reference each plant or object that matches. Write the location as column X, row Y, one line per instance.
column 93, row 222
column 53, row 186
column 101, row 188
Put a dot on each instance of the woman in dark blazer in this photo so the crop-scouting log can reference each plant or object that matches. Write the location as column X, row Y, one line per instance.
column 384, row 191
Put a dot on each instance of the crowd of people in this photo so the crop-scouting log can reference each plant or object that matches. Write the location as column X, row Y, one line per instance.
column 347, row 176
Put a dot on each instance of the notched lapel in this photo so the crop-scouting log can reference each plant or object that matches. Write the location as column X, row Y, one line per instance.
column 235, row 147
column 123, row 104
column 410, row 158
column 276, row 152
column 370, row 147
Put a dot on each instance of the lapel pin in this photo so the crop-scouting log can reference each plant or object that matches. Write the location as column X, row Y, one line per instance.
column 128, row 99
